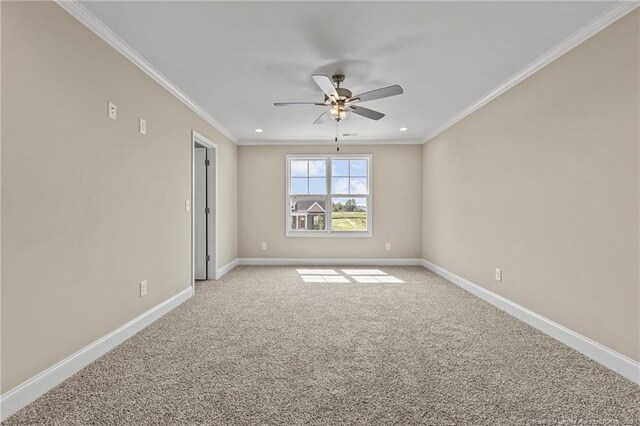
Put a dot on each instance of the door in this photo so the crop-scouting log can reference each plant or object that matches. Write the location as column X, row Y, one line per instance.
column 200, row 209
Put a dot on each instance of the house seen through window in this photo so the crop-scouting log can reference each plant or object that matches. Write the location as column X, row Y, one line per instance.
column 328, row 195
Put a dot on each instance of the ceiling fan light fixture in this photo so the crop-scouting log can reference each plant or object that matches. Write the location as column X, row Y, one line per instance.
column 338, row 112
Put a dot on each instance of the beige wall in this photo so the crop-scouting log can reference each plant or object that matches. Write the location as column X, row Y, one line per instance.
column 543, row 182
column 397, row 201
column 89, row 206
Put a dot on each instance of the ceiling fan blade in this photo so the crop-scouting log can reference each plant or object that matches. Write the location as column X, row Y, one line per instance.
column 322, row 119
column 385, row 92
column 365, row 112
column 296, row 103
column 326, row 85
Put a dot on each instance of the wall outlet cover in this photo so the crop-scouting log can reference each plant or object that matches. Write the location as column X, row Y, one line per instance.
column 143, row 288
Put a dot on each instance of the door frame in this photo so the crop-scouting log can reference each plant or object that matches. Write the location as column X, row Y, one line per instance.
column 212, row 271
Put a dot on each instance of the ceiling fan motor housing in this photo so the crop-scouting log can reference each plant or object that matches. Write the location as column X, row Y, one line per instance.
column 343, row 93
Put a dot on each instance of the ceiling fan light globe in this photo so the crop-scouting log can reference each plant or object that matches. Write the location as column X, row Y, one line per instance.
column 338, row 112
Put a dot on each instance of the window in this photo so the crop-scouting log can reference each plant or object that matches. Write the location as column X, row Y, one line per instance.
column 329, row 195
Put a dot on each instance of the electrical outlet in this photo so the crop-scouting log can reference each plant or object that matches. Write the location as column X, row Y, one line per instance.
column 388, row 246
column 498, row 274
column 143, row 288
column 264, row 246
column 111, row 110
column 143, row 126
column 187, row 205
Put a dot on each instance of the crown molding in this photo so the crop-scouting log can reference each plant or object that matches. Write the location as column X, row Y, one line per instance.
column 330, row 142
column 78, row 11
column 586, row 32
column 75, row 9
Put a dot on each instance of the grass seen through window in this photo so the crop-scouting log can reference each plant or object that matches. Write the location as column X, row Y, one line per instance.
column 349, row 214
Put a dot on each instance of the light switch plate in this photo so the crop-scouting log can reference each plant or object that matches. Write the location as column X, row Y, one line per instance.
column 143, row 126
column 111, row 110
column 187, row 205
column 143, row 288
column 498, row 274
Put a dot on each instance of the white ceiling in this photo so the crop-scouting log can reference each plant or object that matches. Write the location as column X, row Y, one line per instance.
column 235, row 59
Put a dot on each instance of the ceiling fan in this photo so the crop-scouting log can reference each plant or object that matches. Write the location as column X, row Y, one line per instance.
column 339, row 102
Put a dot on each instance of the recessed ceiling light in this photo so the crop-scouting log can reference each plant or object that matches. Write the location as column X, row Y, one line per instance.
column 404, row 129
column 258, row 130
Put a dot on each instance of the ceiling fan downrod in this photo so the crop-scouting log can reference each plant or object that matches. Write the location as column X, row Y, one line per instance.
column 337, row 78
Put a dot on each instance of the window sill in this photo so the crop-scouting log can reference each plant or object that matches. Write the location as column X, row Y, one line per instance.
column 336, row 234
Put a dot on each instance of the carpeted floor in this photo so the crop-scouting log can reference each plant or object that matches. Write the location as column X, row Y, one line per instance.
column 261, row 346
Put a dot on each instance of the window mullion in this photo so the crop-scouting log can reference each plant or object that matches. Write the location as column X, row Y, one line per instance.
column 329, row 210
column 308, row 180
column 289, row 228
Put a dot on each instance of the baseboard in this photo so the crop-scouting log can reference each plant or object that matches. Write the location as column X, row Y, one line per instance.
column 295, row 261
column 226, row 268
column 29, row 391
column 608, row 357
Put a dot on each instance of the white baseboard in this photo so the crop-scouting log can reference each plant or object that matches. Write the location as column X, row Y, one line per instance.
column 293, row 261
column 29, row 391
column 608, row 357
column 226, row 268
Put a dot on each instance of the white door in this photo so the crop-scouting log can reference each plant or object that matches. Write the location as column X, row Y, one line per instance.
column 200, row 213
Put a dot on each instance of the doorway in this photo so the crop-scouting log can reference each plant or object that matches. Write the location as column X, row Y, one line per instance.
column 204, row 212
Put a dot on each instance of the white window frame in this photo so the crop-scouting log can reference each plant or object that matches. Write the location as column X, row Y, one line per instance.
column 328, row 232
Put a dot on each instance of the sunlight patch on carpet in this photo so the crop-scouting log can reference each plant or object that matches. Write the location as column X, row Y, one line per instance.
column 359, row 275
column 317, row 272
column 363, row 272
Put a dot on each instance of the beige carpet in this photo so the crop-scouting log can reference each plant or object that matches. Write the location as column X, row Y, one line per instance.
column 261, row 346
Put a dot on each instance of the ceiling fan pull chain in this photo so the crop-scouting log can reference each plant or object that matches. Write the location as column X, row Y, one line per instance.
column 337, row 133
